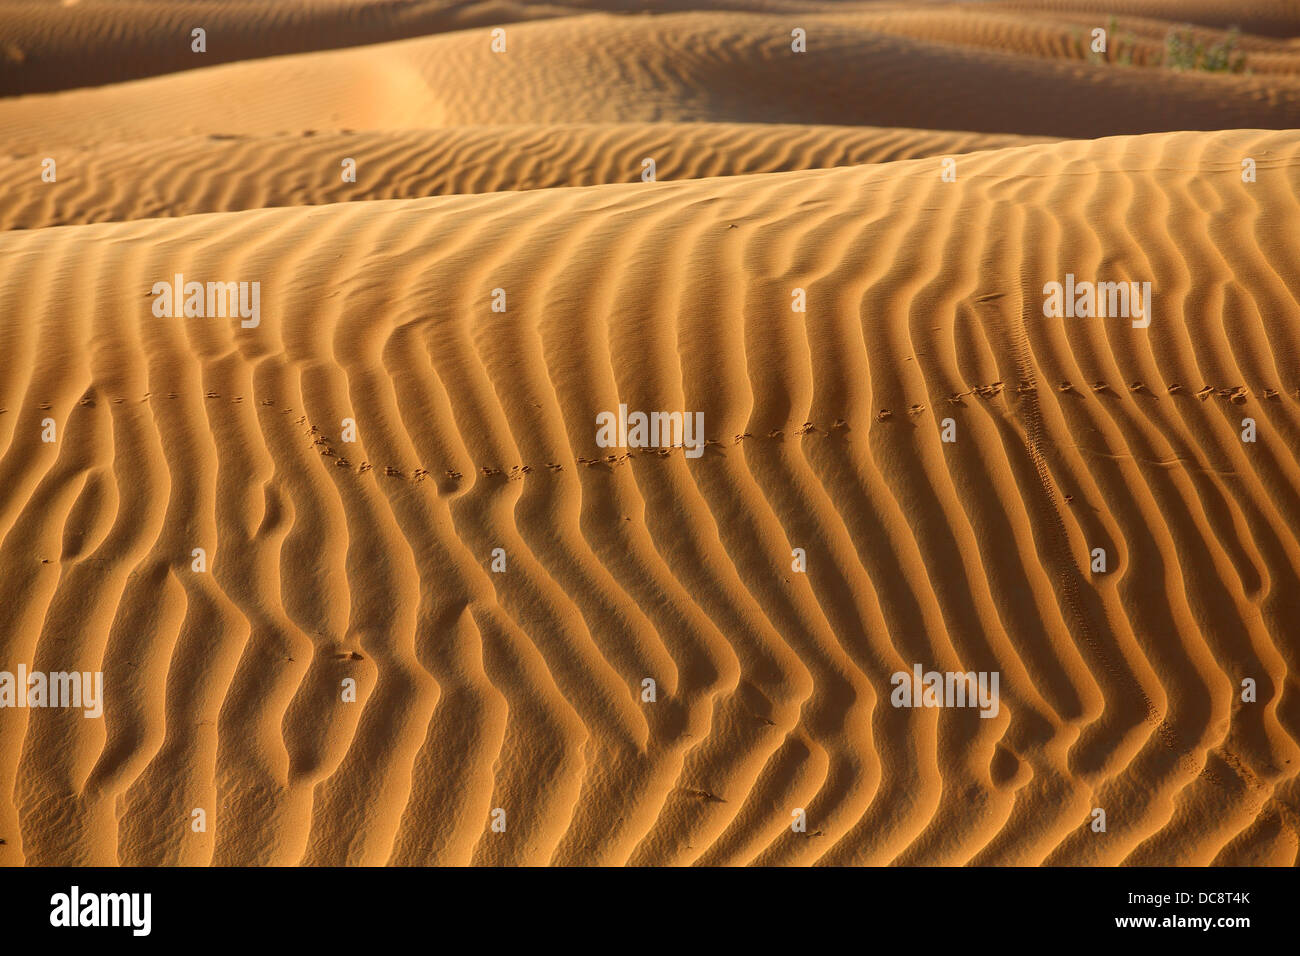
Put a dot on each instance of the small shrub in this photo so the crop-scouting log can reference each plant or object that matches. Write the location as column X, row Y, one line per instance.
column 1184, row 52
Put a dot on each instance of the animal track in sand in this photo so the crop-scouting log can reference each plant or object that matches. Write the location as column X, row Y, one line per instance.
column 1237, row 394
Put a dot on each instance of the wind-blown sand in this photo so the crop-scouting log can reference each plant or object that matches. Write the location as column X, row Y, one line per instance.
column 522, row 690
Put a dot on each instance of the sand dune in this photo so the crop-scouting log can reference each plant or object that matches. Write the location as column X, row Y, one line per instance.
column 691, row 67
column 522, row 690
column 512, row 181
column 52, row 45
column 1133, row 41
column 202, row 174
column 61, row 44
column 1262, row 17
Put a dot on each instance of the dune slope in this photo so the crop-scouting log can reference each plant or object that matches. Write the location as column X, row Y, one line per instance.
column 687, row 67
column 521, row 689
column 208, row 174
column 50, row 45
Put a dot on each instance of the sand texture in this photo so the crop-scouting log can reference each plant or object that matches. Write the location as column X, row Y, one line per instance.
column 497, row 586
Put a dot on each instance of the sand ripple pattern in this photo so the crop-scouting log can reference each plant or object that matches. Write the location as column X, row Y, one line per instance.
column 160, row 178
column 521, row 690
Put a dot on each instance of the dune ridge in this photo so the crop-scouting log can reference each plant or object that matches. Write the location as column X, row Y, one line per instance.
column 205, row 174
column 521, row 690
column 49, row 46
column 61, row 44
column 679, row 67
column 1133, row 42
column 1279, row 18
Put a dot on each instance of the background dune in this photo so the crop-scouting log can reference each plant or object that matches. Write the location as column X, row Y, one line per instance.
column 521, row 690
column 692, row 67
column 1262, row 17
column 179, row 177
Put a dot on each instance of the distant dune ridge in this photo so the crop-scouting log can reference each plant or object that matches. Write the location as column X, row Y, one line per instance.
column 364, row 588
column 697, row 67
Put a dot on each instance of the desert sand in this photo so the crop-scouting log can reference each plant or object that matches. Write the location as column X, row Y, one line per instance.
column 497, row 586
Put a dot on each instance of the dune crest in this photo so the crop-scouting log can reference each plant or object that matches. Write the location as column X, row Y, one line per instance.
column 683, row 67
column 207, row 174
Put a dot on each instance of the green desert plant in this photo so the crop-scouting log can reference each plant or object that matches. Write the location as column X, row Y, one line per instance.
column 1184, row 52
